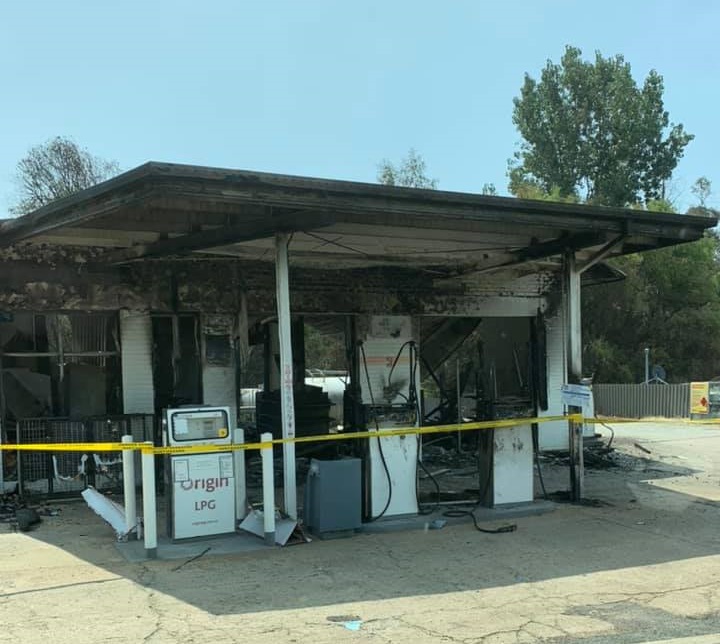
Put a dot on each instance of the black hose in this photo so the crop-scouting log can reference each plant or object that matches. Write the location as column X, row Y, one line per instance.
column 413, row 400
column 510, row 527
column 482, row 492
column 612, row 437
column 437, row 491
column 379, row 442
column 536, row 456
column 397, row 358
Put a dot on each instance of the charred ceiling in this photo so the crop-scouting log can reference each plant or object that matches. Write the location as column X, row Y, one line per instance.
column 165, row 210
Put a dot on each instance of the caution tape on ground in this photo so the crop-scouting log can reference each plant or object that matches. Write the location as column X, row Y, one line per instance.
column 320, row 438
column 612, row 420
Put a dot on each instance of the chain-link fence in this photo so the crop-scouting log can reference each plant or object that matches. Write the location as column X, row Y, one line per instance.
column 58, row 473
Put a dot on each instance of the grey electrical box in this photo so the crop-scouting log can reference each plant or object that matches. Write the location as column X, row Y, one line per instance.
column 333, row 496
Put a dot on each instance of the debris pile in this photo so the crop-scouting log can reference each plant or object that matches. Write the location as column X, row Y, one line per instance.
column 438, row 456
column 21, row 516
column 596, row 456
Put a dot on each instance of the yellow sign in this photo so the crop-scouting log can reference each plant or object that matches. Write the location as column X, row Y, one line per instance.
column 699, row 398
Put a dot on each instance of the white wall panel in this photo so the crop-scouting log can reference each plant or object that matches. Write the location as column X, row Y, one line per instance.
column 513, row 465
column 136, row 353
column 554, row 435
column 219, row 388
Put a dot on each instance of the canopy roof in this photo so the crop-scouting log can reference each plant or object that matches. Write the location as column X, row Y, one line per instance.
column 161, row 210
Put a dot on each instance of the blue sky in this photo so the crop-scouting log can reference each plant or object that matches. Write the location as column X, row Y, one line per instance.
column 323, row 88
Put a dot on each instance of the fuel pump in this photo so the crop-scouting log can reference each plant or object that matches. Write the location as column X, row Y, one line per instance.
column 389, row 385
column 201, row 487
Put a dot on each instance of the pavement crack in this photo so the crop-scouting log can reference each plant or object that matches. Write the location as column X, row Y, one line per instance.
column 655, row 533
column 152, row 634
column 158, row 617
column 663, row 593
column 508, row 631
column 431, row 632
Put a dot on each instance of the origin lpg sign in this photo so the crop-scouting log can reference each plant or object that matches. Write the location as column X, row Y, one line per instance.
column 203, row 495
column 209, row 485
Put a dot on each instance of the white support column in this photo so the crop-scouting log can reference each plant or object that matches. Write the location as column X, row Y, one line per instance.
column 282, row 283
column 268, row 481
column 128, row 457
column 574, row 353
column 149, row 502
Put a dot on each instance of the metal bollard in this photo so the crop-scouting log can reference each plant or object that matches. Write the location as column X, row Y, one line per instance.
column 149, row 502
column 268, row 479
column 128, row 456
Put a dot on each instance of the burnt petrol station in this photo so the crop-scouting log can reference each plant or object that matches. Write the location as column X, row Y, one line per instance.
column 159, row 291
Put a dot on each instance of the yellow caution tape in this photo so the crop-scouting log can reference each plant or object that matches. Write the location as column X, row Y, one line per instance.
column 320, row 438
column 205, row 449
column 147, row 448
column 75, row 447
column 117, row 447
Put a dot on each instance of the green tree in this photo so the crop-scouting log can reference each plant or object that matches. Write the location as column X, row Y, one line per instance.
column 591, row 133
column 411, row 172
column 56, row 169
column 669, row 301
column 489, row 189
column 702, row 188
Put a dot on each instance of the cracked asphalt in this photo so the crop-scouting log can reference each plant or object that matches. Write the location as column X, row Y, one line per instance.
column 643, row 565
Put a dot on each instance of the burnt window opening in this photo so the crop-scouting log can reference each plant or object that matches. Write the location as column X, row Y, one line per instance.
column 477, row 368
column 59, row 364
column 177, row 368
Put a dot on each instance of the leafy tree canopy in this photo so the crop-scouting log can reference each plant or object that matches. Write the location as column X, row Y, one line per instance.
column 702, row 189
column 56, row 169
column 590, row 132
column 669, row 302
column 411, row 172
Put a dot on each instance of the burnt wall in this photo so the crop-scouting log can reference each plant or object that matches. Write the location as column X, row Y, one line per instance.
column 37, row 277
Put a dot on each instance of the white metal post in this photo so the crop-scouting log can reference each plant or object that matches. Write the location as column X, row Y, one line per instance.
column 149, row 502
column 128, row 457
column 240, row 485
column 459, row 402
column 268, row 479
column 573, row 321
column 282, row 283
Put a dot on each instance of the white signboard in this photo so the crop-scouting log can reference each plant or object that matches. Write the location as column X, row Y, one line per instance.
column 576, row 395
column 203, row 495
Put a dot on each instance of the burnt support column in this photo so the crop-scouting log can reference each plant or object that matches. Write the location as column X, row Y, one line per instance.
column 572, row 276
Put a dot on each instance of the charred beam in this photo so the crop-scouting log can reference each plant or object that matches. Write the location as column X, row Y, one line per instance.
column 602, row 253
column 208, row 239
column 543, row 250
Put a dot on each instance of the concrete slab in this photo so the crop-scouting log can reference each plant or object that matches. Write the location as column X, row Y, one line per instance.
column 134, row 551
column 482, row 514
column 641, row 566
